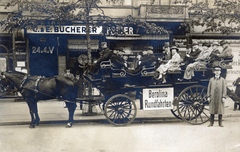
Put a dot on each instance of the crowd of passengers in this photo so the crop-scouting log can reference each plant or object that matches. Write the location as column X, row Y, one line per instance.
column 197, row 56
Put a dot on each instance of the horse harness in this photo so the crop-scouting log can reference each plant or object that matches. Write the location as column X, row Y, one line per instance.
column 36, row 89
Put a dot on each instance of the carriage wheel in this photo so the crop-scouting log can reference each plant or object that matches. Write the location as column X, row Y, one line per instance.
column 120, row 110
column 175, row 109
column 193, row 106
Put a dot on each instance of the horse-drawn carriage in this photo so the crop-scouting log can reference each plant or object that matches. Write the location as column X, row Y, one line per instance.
column 188, row 99
column 119, row 88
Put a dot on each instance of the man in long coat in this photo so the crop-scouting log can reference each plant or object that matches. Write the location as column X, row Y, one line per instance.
column 217, row 92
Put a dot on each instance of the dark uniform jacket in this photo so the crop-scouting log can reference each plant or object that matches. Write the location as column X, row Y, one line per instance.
column 192, row 56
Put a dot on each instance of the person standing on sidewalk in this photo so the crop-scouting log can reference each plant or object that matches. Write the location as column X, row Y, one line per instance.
column 217, row 92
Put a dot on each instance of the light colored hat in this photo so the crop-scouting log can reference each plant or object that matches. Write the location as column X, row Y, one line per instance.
column 194, row 43
column 104, row 44
column 215, row 43
column 217, row 69
column 149, row 48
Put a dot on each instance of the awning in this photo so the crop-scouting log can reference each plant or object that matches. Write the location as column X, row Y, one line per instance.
column 139, row 37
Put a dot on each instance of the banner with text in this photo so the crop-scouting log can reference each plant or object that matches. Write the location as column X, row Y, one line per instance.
column 158, row 98
column 65, row 30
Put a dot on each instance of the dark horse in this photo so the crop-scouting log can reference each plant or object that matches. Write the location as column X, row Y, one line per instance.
column 34, row 88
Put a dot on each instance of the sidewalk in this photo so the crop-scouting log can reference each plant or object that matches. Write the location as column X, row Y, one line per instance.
column 53, row 111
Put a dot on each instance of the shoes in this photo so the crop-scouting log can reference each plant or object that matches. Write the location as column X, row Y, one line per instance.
column 160, row 76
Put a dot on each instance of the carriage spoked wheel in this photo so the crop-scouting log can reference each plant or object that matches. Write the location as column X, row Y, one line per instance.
column 120, row 110
column 175, row 108
column 193, row 106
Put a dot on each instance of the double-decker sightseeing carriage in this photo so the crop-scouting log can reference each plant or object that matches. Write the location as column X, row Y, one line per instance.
column 120, row 87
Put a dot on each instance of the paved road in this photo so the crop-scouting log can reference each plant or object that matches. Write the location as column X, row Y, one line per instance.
column 52, row 111
column 147, row 137
column 159, row 131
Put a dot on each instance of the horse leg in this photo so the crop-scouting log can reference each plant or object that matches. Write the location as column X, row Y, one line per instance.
column 71, row 109
column 29, row 103
column 35, row 111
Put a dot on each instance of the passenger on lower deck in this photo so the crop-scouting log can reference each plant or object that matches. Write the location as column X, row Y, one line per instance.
column 172, row 64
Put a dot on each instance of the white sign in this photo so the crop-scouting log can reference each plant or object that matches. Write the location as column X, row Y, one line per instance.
column 158, row 98
column 65, row 30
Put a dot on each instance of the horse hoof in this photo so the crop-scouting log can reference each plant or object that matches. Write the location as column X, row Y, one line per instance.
column 69, row 125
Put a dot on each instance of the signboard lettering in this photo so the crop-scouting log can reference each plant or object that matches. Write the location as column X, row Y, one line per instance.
column 38, row 49
column 65, row 30
column 113, row 30
column 157, row 98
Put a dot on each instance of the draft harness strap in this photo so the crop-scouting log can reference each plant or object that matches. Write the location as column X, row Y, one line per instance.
column 36, row 90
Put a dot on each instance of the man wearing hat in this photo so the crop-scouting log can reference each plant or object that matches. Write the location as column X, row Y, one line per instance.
column 200, row 62
column 172, row 64
column 217, row 92
column 190, row 57
column 227, row 51
column 147, row 59
column 118, row 59
column 166, row 51
column 214, row 54
column 105, row 54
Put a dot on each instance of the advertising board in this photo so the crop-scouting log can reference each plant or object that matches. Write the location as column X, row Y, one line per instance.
column 158, row 98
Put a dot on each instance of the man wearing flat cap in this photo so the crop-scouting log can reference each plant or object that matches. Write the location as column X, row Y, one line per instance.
column 200, row 62
column 217, row 92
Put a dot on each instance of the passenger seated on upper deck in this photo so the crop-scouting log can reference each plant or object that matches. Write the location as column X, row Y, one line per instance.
column 166, row 52
column 118, row 60
column 214, row 54
column 147, row 59
column 190, row 57
column 105, row 54
column 200, row 62
column 226, row 53
column 172, row 64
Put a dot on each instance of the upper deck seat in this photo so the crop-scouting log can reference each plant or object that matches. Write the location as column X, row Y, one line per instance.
column 225, row 63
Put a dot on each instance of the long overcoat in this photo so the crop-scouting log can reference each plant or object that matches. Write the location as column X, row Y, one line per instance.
column 216, row 90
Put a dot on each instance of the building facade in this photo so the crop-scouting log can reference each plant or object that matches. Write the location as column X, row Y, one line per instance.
column 49, row 49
